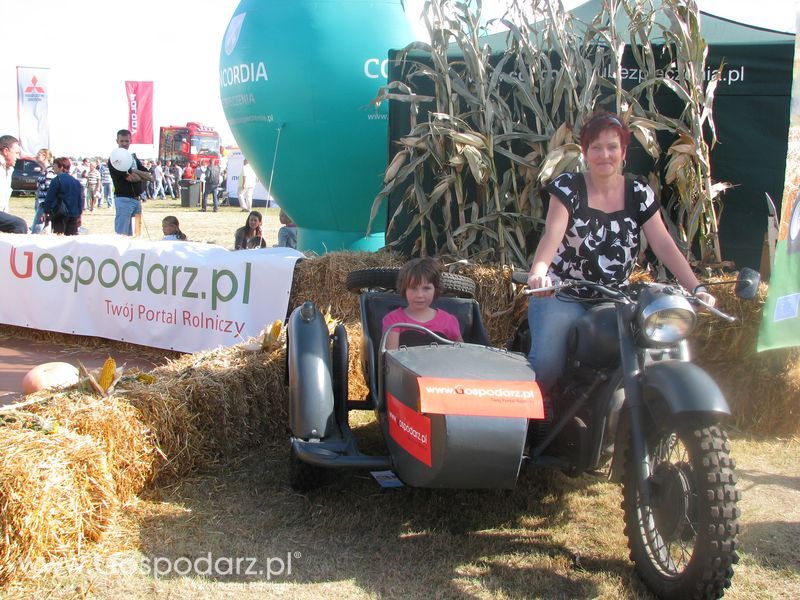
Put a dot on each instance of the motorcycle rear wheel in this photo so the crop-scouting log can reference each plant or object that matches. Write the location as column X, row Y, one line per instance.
column 684, row 543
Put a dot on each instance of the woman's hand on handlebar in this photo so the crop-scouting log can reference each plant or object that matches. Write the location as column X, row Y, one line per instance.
column 540, row 281
column 706, row 298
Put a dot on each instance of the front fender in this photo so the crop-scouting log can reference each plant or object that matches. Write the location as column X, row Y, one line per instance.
column 674, row 389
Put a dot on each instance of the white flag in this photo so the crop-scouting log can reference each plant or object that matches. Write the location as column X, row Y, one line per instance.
column 32, row 107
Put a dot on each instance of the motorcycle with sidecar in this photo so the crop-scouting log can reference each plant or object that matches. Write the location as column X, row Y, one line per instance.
column 468, row 415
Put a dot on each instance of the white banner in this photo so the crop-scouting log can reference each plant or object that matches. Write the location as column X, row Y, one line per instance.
column 184, row 296
column 32, row 107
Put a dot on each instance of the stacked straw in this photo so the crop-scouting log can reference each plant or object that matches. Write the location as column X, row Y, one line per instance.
column 56, row 495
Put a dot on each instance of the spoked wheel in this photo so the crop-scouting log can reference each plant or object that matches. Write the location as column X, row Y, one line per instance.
column 684, row 542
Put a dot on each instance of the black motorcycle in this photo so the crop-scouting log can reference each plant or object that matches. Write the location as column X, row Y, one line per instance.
column 631, row 395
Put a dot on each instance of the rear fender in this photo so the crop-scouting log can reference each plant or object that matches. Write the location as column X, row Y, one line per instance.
column 311, row 402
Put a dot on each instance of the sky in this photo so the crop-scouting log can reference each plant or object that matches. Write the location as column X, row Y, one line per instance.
column 91, row 50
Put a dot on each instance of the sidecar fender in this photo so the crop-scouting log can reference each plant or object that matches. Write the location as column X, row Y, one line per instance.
column 311, row 402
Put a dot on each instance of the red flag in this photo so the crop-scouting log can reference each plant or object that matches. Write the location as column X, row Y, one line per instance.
column 140, row 111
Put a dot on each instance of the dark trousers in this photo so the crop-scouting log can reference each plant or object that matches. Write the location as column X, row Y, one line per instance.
column 214, row 196
column 66, row 225
column 11, row 224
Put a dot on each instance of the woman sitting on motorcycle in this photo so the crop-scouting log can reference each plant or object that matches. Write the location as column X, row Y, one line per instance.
column 592, row 232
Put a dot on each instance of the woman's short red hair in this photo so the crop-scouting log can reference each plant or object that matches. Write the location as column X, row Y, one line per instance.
column 601, row 121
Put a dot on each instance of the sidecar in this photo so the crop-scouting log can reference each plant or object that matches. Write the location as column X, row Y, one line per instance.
column 452, row 415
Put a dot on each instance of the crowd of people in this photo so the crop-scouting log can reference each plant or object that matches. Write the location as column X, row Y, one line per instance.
column 67, row 188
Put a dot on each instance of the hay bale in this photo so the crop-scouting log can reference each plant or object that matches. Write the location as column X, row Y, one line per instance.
column 503, row 305
column 761, row 387
column 211, row 404
column 357, row 386
column 56, row 495
column 321, row 280
column 118, row 429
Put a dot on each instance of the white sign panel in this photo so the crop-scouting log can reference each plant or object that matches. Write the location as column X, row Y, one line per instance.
column 33, row 91
column 183, row 296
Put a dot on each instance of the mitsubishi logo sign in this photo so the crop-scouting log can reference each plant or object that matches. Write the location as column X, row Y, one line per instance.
column 34, row 87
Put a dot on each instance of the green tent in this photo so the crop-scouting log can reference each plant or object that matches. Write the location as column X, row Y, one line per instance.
column 751, row 114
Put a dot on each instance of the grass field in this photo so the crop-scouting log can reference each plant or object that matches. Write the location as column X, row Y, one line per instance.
column 551, row 537
column 199, row 226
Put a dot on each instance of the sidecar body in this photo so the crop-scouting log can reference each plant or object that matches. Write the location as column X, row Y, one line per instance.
column 452, row 415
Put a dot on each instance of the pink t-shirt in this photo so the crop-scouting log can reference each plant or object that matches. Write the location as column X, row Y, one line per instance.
column 445, row 324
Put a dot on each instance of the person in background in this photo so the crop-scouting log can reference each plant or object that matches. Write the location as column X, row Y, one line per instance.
column 177, row 174
column 169, row 179
column 247, row 184
column 250, row 235
column 212, row 185
column 158, row 181
column 287, row 234
column 9, row 154
column 108, row 185
column 93, row 189
column 127, row 187
column 64, row 188
column 45, row 159
column 172, row 229
column 188, row 171
column 79, row 171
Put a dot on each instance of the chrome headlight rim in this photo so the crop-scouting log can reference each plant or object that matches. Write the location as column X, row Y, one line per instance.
column 666, row 320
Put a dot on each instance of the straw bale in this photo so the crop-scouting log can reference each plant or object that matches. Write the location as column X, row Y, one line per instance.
column 321, row 280
column 118, row 429
column 761, row 387
column 206, row 405
column 503, row 305
column 56, row 495
column 357, row 386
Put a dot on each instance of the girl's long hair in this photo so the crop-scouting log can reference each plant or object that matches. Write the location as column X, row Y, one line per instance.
column 257, row 231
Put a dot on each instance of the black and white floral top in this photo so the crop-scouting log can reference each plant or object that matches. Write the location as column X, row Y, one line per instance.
column 600, row 246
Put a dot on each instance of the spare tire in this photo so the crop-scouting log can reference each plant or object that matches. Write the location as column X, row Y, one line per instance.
column 385, row 278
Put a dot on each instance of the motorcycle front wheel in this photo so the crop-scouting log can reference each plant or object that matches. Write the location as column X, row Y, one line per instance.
column 684, row 542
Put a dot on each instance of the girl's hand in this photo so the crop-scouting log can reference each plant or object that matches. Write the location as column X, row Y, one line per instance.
column 538, row 281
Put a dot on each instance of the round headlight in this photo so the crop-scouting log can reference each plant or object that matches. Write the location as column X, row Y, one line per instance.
column 667, row 320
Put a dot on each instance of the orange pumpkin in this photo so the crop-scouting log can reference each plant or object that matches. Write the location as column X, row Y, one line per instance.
column 49, row 375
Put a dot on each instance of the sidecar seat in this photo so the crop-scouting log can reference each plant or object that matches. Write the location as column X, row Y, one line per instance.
column 376, row 305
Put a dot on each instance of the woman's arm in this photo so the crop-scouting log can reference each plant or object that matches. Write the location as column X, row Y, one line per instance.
column 554, row 228
column 668, row 253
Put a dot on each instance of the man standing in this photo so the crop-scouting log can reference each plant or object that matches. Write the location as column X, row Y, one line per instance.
column 127, row 187
column 108, row 188
column 247, row 184
column 158, row 181
column 212, row 183
column 93, row 191
column 9, row 153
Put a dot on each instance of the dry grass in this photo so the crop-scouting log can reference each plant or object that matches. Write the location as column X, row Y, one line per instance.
column 552, row 537
column 211, row 227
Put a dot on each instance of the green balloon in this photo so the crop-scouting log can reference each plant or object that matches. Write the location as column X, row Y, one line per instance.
column 297, row 78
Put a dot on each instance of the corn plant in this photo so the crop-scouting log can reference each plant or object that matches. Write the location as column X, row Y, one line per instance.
column 498, row 126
